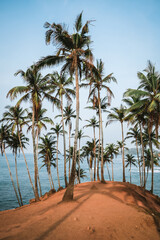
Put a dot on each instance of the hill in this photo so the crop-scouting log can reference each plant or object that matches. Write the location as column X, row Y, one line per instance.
column 99, row 211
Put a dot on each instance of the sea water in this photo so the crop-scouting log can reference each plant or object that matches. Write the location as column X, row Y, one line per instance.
column 7, row 195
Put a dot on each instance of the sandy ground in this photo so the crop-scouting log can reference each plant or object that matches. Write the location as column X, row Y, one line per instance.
column 100, row 211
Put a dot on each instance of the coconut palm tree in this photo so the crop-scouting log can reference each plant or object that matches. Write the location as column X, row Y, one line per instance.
column 130, row 160
column 4, row 135
column 57, row 130
column 35, row 90
column 135, row 135
column 118, row 114
column 95, row 105
column 69, row 113
column 107, row 160
column 15, row 117
column 40, row 123
column 47, row 152
column 93, row 123
column 60, row 85
column 148, row 92
column 72, row 50
column 98, row 83
column 111, row 150
column 14, row 145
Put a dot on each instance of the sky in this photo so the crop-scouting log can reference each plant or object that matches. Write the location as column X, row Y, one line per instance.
column 125, row 35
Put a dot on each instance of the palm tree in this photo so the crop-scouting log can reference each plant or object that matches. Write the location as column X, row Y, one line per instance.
column 14, row 144
column 47, row 151
column 107, row 160
column 15, row 117
column 97, row 83
column 95, row 105
column 40, row 123
column 118, row 114
column 4, row 135
column 93, row 123
column 111, row 150
column 68, row 114
column 130, row 160
column 73, row 50
column 150, row 102
column 35, row 90
column 134, row 133
column 61, row 88
column 57, row 130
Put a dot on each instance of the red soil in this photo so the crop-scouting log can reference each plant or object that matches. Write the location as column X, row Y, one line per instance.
column 99, row 211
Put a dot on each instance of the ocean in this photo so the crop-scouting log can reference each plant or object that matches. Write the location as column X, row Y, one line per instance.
column 7, row 195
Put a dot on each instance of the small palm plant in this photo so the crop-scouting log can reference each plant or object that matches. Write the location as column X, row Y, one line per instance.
column 130, row 160
column 47, row 152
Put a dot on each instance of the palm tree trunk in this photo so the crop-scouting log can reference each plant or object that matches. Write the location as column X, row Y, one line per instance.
column 123, row 153
column 69, row 132
column 79, row 163
column 139, row 163
column 37, row 167
column 35, row 157
column 112, row 169
column 152, row 163
column 57, row 162
column 11, row 175
column 130, row 172
column 52, row 180
column 25, row 161
column 144, row 181
column 94, row 154
column 64, row 143
column 101, row 127
column 69, row 191
column 98, row 152
column 49, row 177
column 108, row 172
column 17, row 179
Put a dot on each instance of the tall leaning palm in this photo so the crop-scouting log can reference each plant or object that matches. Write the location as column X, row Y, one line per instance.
column 15, row 117
column 14, row 144
column 61, row 85
column 73, row 51
column 35, row 90
column 118, row 114
column 4, row 135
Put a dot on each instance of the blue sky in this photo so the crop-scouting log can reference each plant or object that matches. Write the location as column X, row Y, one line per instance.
column 125, row 35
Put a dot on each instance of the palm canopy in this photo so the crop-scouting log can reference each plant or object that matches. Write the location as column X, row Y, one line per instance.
column 14, row 116
column 130, row 160
column 47, row 151
column 40, row 120
column 148, row 93
column 116, row 114
column 14, row 143
column 92, row 122
column 111, row 150
column 71, row 48
column 4, row 134
column 60, row 85
column 35, row 90
column 57, row 129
